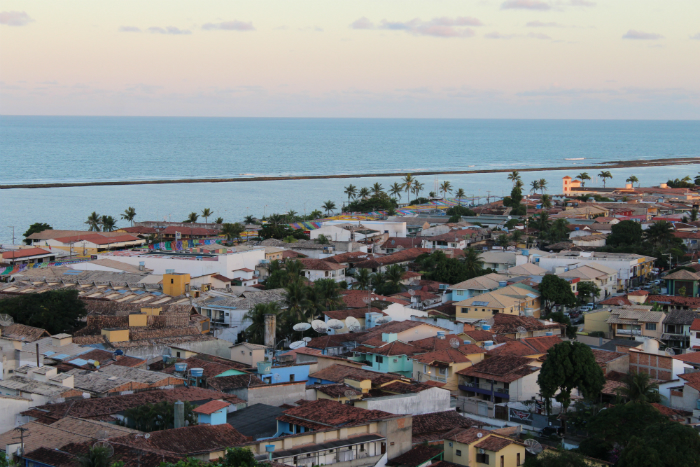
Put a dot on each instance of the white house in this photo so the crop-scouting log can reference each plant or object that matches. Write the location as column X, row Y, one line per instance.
column 315, row 269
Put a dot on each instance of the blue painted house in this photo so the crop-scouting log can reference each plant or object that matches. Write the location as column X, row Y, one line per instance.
column 212, row 413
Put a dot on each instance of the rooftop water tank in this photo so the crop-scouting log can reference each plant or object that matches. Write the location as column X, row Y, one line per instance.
column 181, row 367
column 485, row 327
column 441, row 334
column 548, row 334
column 526, row 252
column 502, row 283
column 264, row 367
column 197, row 372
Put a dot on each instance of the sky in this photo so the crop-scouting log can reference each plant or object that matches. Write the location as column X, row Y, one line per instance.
column 559, row 59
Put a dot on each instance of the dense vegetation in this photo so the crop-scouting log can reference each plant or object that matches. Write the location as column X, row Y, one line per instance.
column 57, row 311
column 657, row 241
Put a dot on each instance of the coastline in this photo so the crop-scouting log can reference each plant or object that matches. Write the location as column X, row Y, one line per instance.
column 598, row 165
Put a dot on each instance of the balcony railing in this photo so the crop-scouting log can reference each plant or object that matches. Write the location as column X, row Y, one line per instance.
column 629, row 332
column 497, row 391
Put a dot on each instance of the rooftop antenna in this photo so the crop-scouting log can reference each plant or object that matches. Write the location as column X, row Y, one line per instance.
column 521, row 330
column 335, row 324
column 297, row 344
column 454, row 343
column 319, row 326
column 533, row 446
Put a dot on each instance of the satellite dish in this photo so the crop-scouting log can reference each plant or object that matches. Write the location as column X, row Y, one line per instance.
column 411, row 292
column 533, row 446
column 367, row 300
column 351, row 321
column 6, row 320
column 147, row 435
column 384, row 319
column 108, row 447
column 479, row 435
column 350, row 393
column 297, row 344
column 335, row 324
column 301, row 327
column 277, row 376
column 355, row 328
column 102, row 434
column 307, row 339
column 494, row 337
column 319, row 326
column 454, row 343
column 670, row 352
column 522, row 330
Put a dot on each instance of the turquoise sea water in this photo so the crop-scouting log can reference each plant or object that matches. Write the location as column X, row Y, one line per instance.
column 57, row 149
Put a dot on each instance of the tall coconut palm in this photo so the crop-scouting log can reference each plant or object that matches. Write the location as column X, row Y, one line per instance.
column 296, row 302
column 394, row 274
column 377, row 189
column 363, row 193
column 315, row 214
column 93, row 221
column 546, row 201
column 191, row 218
column 408, row 182
column 514, row 176
column 248, row 220
column 473, row 262
column 378, row 279
column 291, row 215
column 328, row 206
column 445, row 187
column 418, row 187
column 543, row 185
column 129, row 215
column 432, row 195
column 534, row 186
column 583, row 176
column 206, row 212
column 632, row 179
column 351, row 191
column 108, row 223
column 604, row 175
column 232, row 231
column 460, row 194
column 362, row 279
column 219, row 220
column 638, row 387
column 329, row 293
column 396, row 189
column 255, row 332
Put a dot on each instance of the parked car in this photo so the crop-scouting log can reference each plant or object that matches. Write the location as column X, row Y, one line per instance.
column 550, row 432
column 585, row 308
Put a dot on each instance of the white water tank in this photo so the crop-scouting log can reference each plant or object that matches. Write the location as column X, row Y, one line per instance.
column 651, row 346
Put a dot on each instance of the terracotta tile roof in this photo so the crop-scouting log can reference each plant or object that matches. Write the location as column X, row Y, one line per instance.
column 99, row 239
column 139, row 229
column 416, row 456
column 24, row 253
column 229, row 383
column 542, row 343
column 482, row 336
column 616, row 301
column 439, row 422
column 389, row 349
column 605, row 356
column 402, row 242
column 337, row 390
column 104, row 358
column 23, row 333
column 335, row 340
column 508, row 324
column 683, row 275
column 435, row 343
column 445, row 357
column 103, row 407
column 639, row 293
column 400, row 387
column 696, row 325
column 402, row 256
column 210, row 366
column 338, row 373
column 685, row 317
column 466, row 436
column 358, row 313
column 319, row 265
column 211, row 407
column 331, row 413
column 501, row 368
column 396, row 327
column 221, row 278
column 512, row 348
column 185, row 231
column 410, row 275
column 436, row 384
column 691, row 302
column 493, row 443
column 421, row 294
column 352, row 256
column 189, row 440
column 674, row 414
column 53, row 457
column 691, row 357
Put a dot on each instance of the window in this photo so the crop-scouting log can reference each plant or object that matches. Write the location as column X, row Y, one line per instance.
column 425, row 368
column 517, row 459
column 172, row 281
column 442, row 371
column 250, row 353
column 380, row 359
column 494, row 311
column 178, row 354
column 362, row 448
column 458, row 453
column 651, row 326
column 503, row 461
column 242, row 352
column 482, row 458
column 291, row 377
column 460, row 292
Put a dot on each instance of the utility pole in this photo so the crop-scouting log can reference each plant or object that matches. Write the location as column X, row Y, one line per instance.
column 488, row 197
column 13, row 243
column 21, row 430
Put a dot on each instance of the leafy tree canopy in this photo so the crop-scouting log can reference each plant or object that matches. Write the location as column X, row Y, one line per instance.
column 556, row 291
column 57, row 311
column 625, row 233
column 587, row 291
column 35, row 228
column 557, row 459
column 460, row 211
column 560, row 317
column 377, row 202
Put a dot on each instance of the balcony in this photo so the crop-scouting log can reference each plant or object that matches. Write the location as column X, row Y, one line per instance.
column 497, row 391
column 628, row 332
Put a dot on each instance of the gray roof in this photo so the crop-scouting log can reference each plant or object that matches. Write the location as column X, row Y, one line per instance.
column 612, row 345
column 681, row 317
column 258, row 421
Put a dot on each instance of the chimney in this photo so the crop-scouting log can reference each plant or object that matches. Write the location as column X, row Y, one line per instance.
column 270, row 330
column 179, row 414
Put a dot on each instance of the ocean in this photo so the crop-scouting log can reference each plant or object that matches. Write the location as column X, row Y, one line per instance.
column 83, row 149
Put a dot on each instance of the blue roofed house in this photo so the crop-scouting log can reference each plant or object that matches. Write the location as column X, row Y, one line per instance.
column 476, row 286
column 387, row 355
column 212, row 413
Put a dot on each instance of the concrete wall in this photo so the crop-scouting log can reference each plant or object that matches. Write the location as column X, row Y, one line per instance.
column 431, row 400
column 287, row 374
column 276, row 394
column 525, row 388
column 453, row 326
column 596, row 321
column 10, row 408
column 218, row 348
column 399, row 435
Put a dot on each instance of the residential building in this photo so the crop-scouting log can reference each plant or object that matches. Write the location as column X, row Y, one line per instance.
column 432, row 427
column 388, row 355
column 695, row 335
column 315, row 269
column 27, row 256
column 656, row 363
column 405, row 397
column 248, row 353
column 630, row 322
column 476, row 286
column 516, row 299
column 676, row 329
column 443, row 365
column 500, row 261
column 500, row 379
column 418, row 456
column 360, row 314
column 603, row 277
column 475, row 446
column 454, row 239
column 597, row 321
column 689, row 396
column 683, row 283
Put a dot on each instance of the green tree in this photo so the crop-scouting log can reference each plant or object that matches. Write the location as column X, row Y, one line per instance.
column 546, row 201
column 380, row 202
column 669, row 444
column 219, row 220
column 328, row 206
column 362, row 279
column 377, row 188
column 560, row 317
column 459, row 195
column 296, row 301
column 97, row 456
column 632, row 179
column 583, row 176
column 315, row 214
column 191, row 218
column 625, row 233
column 394, row 274
column 363, row 193
column 417, row 188
column 569, row 366
column 587, row 292
column 534, row 186
column 514, row 176
column 232, row 231
column 323, row 240
column 35, row 228
column 129, row 215
column 57, row 311
column 605, row 174
column 396, row 189
column 543, row 184
column 638, row 387
column 445, row 187
column 206, row 212
column 408, row 182
column 255, row 332
column 248, row 220
column 559, row 458
column 93, row 221
column 555, row 290
column 329, row 294
column 158, row 416
column 459, row 211
column 351, row 191
column 108, row 223
column 473, row 262
column 454, row 219
column 694, row 215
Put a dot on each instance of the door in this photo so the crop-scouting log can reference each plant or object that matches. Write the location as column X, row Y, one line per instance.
column 482, row 409
column 383, row 448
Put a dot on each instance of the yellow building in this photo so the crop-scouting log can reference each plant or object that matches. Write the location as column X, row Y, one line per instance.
column 442, row 365
column 176, row 284
column 596, row 321
column 511, row 300
column 475, row 447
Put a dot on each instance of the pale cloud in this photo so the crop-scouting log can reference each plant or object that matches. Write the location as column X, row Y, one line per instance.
column 696, row 37
column 538, row 35
column 640, row 35
column 436, row 27
column 168, row 30
column 541, row 24
column 532, row 35
column 311, row 29
column 129, row 29
column 525, row 5
column 15, row 18
column 581, row 3
column 234, row 25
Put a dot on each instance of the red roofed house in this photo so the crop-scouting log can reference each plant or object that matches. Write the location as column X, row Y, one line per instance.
column 695, row 335
column 212, row 413
column 476, row 446
column 443, row 365
column 689, row 398
column 315, row 269
column 27, row 256
column 91, row 243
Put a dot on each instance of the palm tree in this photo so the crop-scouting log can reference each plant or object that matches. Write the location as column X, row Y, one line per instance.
column 534, row 186
column 206, row 212
column 514, row 176
column 232, row 231
column 605, row 174
column 432, row 194
column 445, row 187
column 396, row 189
column 362, row 279
column 460, row 194
column 473, row 262
column 295, row 301
column 328, row 206
column 632, row 179
column 417, row 188
column 329, row 293
column 108, row 223
column 408, row 182
column 583, row 176
column 97, row 456
column 129, row 215
column 363, row 193
column 543, row 185
column 519, row 184
column 291, row 215
column 546, row 201
column 255, row 332
column 191, row 218
column 394, row 274
column 377, row 188
column 639, row 388
column 219, row 220
column 93, row 221
column 378, row 279
column 315, row 214
column 249, row 219
column 351, row 191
